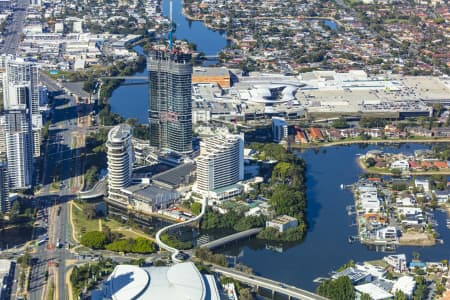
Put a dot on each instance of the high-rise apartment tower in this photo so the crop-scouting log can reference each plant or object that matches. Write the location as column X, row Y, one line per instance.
column 221, row 162
column 170, row 100
column 120, row 158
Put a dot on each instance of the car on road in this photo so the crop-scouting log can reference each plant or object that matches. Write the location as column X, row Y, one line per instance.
column 182, row 256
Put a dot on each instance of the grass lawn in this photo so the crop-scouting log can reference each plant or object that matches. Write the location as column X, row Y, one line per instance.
column 131, row 234
column 81, row 223
column 379, row 262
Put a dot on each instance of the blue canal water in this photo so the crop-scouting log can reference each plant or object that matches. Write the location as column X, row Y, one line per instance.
column 330, row 24
column 326, row 247
column 208, row 41
column 131, row 101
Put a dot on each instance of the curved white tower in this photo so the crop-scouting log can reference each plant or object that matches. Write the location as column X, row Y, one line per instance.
column 221, row 162
column 120, row 157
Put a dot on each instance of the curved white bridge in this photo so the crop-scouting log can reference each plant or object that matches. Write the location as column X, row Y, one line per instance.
column 166, row 247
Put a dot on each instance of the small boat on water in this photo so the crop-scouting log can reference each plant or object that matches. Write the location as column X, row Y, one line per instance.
column 353, row 238
column 389, row 248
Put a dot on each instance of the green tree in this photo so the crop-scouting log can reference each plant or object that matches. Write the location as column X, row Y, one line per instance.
column 286, row 200
column 365, row 296
column 94, row 239
column 337, row 289
column 340, row 123
column 196, row 208
column 245, row 294
column 399, row 295
column 143, row 245
column 371, row 122
column 370, row 162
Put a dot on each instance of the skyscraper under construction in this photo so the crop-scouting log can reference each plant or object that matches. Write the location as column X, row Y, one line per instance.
column 170, row 100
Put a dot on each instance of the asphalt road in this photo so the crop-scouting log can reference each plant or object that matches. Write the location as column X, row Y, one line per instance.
column 14, row 29
column 58, row 158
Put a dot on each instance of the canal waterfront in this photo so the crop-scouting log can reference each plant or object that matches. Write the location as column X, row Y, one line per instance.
column 326, row 247
column 207, row 40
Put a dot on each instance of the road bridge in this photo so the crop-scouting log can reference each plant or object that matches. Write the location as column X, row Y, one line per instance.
column 231, row 238
column 276, row 287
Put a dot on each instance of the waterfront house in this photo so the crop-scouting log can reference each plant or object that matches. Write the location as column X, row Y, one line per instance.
column 441, row 196
column 417, row 264
column 401, row 165
column 419, row 131
column 374, row 132
column 397, row 262
column 440, row 164
column 375, row 218
column 333, row 134
column 415, row 165
column 388, row 233
column 427, row 164
column 357, row 276
column 423, row 153
column 392, row 131
column 441, row 132
column 375, row 154
column 370, row 203
column 315, row 134
column 423, row 184
column 300, row 137
column 282, row 223
column 375, row 271
column 437, row 266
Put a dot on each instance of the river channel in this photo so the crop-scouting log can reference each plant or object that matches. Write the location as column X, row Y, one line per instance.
column 325, row 247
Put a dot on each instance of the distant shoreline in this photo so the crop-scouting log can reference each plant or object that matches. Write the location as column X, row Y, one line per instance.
column 384, row 141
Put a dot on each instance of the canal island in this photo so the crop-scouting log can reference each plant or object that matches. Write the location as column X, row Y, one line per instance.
column 395, row 205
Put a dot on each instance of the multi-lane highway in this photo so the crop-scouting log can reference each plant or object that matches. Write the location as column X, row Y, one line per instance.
column 58, row 157
column 14, row 28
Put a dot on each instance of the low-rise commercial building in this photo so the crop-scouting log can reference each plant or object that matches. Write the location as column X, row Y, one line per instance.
column 220, row 76
column 144, row 198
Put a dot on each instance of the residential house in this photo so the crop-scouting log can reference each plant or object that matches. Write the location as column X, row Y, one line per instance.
column 401, row 165
column 423, row 184
column 397, row 262
column 315, row 134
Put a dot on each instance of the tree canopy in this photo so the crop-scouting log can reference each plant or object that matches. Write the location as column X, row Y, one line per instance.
column 94, row 239
column 337, row 289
